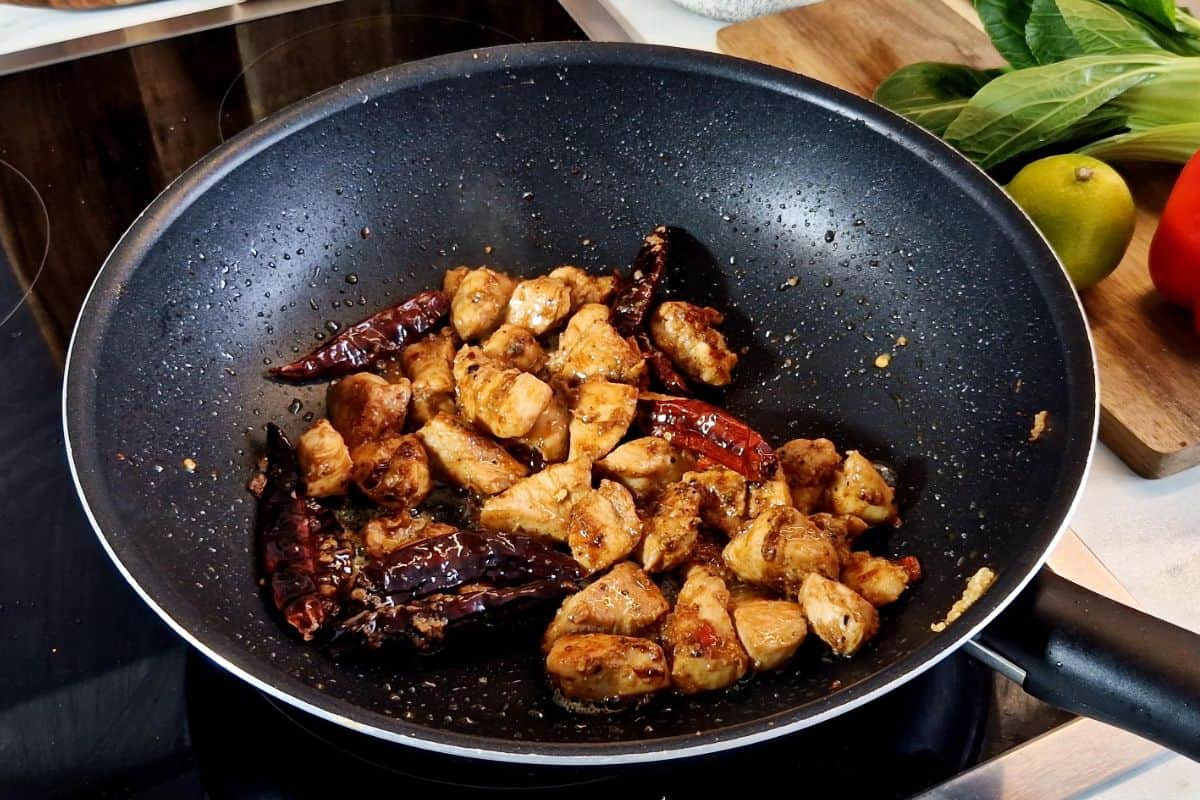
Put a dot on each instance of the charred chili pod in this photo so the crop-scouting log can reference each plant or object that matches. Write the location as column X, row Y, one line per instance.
column 363, row 343
column 441, row 562
column 307, row 564
column 695, row 425
column 633, row 301
column 425, row 623
column 664, row 371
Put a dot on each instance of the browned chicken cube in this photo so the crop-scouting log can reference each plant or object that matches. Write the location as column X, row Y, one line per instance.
column 722, row 498
column 465, row 457
column 601, row 413
column 686, row 333
column 809, row 466
column 879, row 580
column 585, row 288
column 541, row 504
column 480, row 302
column 550, row 434
column 770, row 630
column 624, row 601
column 324, row 460
column 761, row 496
column 517, row 347
column 393, row 472
column 859, row 489
column 364, row 406
column 646, row 466
column 842, row 530
column 701, row 642
column 453, row 279
column 428, row 364
column 386, row 534
column 539, row 304
column 590, row 347
column 670, row 533
column 603, row 527
column 598, row 667
column 837, row 614
column 500, row 399
column 779, row 548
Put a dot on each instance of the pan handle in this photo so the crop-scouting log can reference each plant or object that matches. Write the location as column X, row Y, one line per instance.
column 1090, row 655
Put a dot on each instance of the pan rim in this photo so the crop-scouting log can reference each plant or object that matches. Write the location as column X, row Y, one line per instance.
column 193, row 182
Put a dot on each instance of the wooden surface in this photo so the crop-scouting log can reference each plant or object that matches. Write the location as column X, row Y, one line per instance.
column 1148, row 354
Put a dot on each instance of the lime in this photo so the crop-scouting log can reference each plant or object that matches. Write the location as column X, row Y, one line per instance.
column 1083, row 208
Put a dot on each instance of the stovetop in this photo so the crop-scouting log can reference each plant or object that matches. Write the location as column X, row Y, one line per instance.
column 97, row 696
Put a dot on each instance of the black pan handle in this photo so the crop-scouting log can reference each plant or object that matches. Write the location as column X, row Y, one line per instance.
column 1090, row 655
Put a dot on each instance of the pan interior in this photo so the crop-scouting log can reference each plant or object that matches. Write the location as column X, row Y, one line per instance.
column 830, row 233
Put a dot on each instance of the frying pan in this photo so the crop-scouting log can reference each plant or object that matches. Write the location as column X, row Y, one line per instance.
column 556, row 153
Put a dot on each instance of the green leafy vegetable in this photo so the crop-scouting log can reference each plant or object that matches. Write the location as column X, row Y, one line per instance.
column 1101, row 29
column 1169, row 143
column 1004, row 21
column 1035, row 107
column 1049, row 37
column 1119, row 78
column 932, row 94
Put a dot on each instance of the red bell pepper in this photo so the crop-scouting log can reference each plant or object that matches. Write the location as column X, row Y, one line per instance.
column 1175, row 249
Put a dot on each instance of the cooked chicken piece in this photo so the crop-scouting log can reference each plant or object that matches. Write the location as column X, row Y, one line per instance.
column 809, row 466
column 603, row 527
column 761, row 496
column 686, row 334
column 480, row 303
column 879, row 580
column 645, row 466
column 624, row 601
column 517, row 347
column 465, row 457
column 778, row 549
column 603, row 667
column 363, row 407
column 541, row 504
column 549, row 435
column 585, row 288
column 453, row 279
column 837, row 614
column 859, row 489
column 324, row 460
column 669, row 534
column 383, row 535
column 539, row 304
column 393, row 472
column 770, row 630
column 700, row 638
column 428, row 364
column 842, row 530
column 601, row 412
column 500, row 399
column 591, row 348
column 723, row 498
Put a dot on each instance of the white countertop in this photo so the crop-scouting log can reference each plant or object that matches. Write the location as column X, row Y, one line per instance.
column 1146, row 532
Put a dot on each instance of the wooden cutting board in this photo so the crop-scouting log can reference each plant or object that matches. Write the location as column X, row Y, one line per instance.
column 1148, row 354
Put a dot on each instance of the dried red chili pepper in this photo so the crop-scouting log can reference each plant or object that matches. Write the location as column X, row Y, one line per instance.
column 911, row 567
column 363, row 343
column 307, row 562
column 425, row 623
column 633, row 300
column 664, row 371
column 695, row 425
column 442, row 562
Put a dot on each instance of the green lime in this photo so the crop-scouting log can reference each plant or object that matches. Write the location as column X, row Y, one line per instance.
column 1083, row 208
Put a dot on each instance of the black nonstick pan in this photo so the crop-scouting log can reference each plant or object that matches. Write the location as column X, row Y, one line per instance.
column 532, row 156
